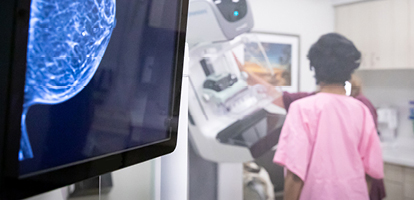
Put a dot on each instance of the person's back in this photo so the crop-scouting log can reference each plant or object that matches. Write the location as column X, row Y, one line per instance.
column 334, row 141
column 329, row 144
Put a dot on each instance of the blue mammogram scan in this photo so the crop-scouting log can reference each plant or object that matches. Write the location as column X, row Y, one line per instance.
column 67, row 40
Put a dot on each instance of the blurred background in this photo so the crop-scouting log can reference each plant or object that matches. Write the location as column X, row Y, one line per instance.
column 227, row 141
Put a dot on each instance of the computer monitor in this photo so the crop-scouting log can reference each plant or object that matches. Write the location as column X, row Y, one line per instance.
column 86, row 87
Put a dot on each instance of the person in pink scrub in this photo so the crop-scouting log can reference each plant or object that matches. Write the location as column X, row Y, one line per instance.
column 329, row 144
column 377, row 191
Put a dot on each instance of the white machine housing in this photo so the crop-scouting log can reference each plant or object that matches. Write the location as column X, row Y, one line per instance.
column 212, row 35
column 208, row 23
column 205, row 123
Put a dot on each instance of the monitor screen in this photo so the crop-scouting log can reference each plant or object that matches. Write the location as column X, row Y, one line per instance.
column 99, row 79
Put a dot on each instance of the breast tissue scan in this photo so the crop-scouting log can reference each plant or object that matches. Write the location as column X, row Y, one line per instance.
column 97, row 81
column 77, row 50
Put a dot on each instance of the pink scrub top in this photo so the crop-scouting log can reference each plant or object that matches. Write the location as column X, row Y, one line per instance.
column 330, row 142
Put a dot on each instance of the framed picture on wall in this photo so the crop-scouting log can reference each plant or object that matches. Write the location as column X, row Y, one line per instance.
column 274, row 57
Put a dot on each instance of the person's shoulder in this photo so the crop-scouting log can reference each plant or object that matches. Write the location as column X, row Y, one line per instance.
column 326, row 100
column 297, row 95
column 305, row 102
column 289, row 98
column 362, row 104
column 360, row 101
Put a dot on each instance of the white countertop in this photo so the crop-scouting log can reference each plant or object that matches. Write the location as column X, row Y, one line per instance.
column 399, row 152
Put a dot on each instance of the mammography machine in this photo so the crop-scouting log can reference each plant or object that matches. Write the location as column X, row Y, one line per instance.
column 230, row 122
column 227, row 116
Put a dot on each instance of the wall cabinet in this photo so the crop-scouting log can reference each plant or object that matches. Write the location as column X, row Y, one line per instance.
column 381, row 31
column 411, row 31
column 399, row 182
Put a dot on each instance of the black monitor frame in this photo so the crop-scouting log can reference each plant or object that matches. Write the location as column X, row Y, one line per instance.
column 14, row 22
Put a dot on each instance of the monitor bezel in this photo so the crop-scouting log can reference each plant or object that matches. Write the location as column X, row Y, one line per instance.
column 12, row 185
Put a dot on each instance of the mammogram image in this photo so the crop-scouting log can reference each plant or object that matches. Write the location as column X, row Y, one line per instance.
column 67, row 40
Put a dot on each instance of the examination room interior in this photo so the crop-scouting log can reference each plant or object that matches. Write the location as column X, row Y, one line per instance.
column 383, row 30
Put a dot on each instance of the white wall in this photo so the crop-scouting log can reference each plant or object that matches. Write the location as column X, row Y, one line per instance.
column 393, row 88
column 307, row 18
column 341, row 2
column 53, row 195
column 135, row 182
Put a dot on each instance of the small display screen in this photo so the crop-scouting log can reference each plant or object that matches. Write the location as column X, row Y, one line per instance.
column 99, row 79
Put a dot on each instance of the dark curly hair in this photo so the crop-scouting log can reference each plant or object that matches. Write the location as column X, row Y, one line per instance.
column 334, row 59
